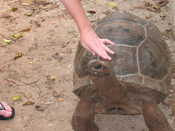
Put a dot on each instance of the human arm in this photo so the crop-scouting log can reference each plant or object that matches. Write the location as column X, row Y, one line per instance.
column 89, row 38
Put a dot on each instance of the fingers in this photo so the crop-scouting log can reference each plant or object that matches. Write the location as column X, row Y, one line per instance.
column 107, row 49
column 101, row 49
column 98, row 47
column 108, row 41
column 100, row 52
column 103, row 54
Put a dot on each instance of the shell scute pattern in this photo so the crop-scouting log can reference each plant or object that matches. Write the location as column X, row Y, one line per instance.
column 142, row 57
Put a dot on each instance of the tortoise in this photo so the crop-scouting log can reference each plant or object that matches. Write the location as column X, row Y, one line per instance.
column 135, row 81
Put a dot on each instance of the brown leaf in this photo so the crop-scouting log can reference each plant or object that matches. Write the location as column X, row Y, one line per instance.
column 91, row 12
column 148, row 17
column 14, row 9
column 27, row 2
column 40, row 107
column 18, row 55
column 26, row 30
column 60, row 99
column 28, row 103
column 152, row 7
column 42, row 2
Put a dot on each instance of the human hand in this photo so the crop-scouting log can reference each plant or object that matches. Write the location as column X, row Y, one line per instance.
column 96, row 45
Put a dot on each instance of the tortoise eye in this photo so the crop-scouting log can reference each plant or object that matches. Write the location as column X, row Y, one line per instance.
column 96, row 67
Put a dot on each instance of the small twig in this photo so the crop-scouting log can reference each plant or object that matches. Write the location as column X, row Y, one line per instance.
column 13, row 82
column 31, row 83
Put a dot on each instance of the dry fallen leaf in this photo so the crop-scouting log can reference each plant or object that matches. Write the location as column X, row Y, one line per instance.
column 7, row 41
column 53, row 78
column 42, row 2
column 18, row 55
column 16, row 98
column 91, row 12
column 148, row 17
column 40, row 107
column 17, row 35
column 26, row 30
column 14, row 9
column 28, row 103
column 29, row 14
column 112, row 4
column 152, row 7
column 60, row 99
column 27, row 2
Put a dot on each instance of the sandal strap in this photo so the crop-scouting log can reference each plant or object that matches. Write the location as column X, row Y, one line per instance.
column 2, row 106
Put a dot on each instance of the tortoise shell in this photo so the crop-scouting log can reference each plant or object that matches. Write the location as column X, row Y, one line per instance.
column 141, row 55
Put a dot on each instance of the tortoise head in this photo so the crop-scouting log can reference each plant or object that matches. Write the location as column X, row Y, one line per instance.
column 99, row 68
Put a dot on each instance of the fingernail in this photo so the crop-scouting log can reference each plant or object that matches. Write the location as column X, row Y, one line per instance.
column 109, row 58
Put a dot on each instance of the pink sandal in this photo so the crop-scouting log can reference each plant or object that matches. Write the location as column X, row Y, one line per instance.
column 6, row 112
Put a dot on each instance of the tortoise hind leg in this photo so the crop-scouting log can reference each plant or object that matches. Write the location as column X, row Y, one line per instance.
column 154, row 118
column 83, row 117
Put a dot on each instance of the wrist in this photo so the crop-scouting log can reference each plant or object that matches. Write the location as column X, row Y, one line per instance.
column 86, row 28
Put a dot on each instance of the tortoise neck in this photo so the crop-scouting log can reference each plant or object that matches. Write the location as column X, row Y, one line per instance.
column 109, row 87
column 107, row 82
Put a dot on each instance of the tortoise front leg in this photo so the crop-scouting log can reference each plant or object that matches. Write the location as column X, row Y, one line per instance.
column 154, row 118
column 84, row 115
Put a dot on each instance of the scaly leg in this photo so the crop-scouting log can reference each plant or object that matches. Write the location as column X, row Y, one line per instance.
column 154, row 118
column 83, row 117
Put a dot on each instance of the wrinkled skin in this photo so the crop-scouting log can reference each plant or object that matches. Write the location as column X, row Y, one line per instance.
column 127, row 98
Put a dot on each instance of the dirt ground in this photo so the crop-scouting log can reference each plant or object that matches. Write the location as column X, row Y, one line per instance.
column 37, row 45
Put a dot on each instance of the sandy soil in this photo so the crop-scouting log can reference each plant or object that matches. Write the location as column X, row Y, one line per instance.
column 36, row 69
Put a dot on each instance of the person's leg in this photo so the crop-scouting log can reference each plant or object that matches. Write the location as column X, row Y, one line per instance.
column 6, row 112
